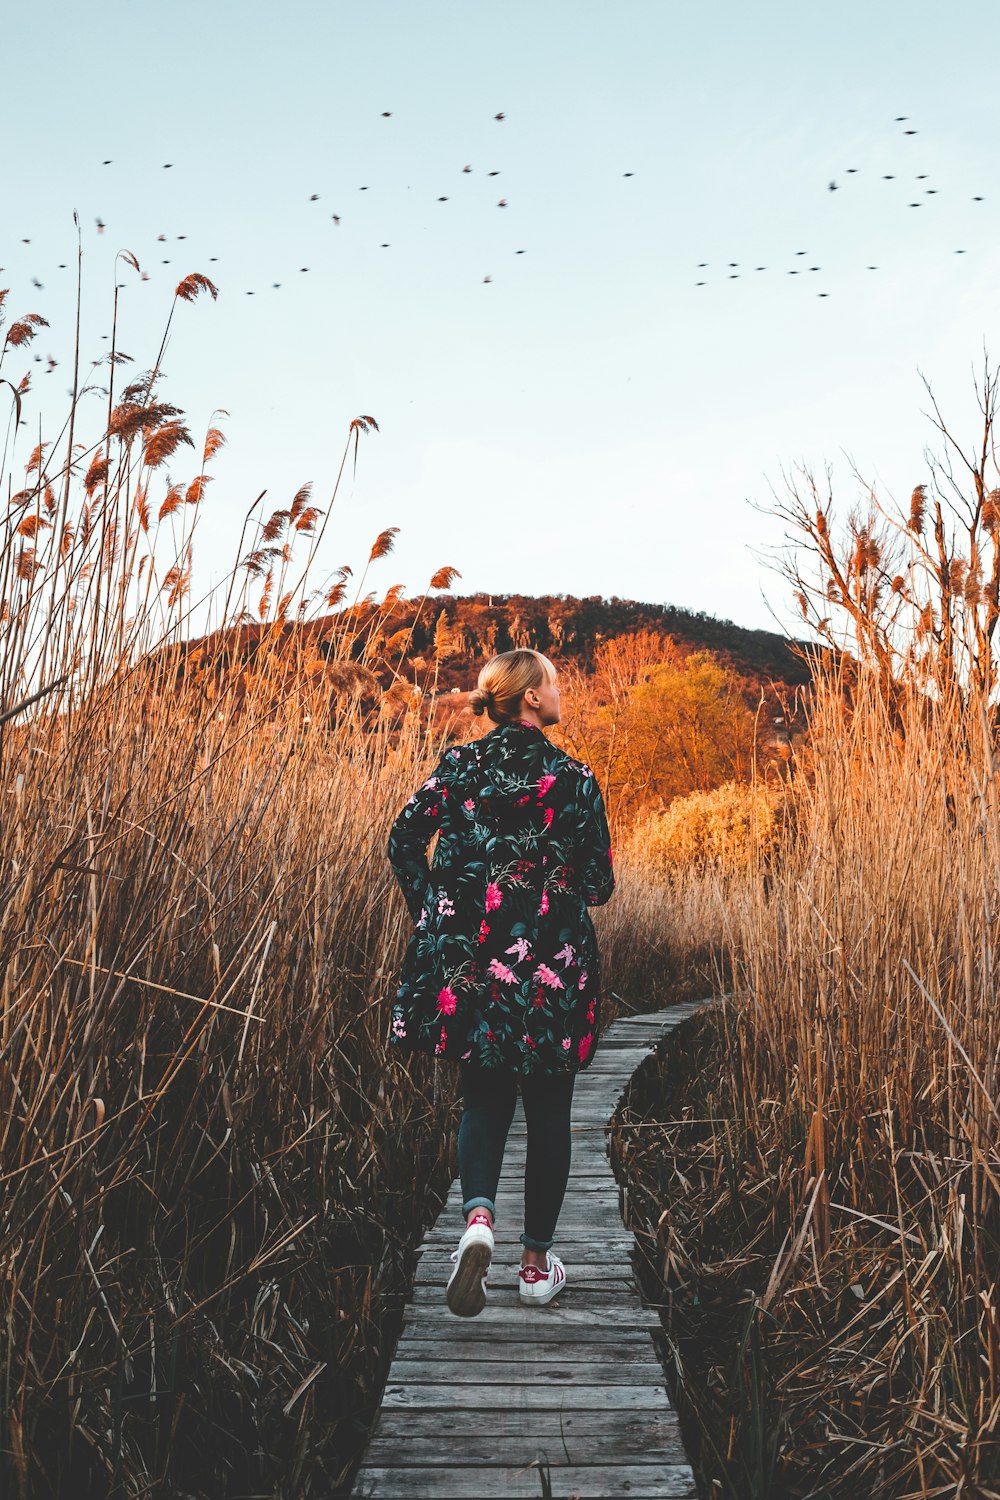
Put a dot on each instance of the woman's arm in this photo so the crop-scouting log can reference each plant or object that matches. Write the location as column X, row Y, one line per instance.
column 412, row 832
column 595, row 876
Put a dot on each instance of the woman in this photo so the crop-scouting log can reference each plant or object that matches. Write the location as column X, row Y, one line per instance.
column 502, row 972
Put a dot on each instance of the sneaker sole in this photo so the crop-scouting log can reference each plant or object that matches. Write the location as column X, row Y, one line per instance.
column 465, row 1294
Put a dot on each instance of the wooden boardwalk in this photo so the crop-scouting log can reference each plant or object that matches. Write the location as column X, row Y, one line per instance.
column 473, row 1406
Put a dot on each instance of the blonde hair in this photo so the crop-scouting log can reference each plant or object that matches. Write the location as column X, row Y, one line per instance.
column 505, row 679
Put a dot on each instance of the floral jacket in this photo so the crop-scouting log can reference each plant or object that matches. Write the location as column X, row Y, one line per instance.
column 502, row 967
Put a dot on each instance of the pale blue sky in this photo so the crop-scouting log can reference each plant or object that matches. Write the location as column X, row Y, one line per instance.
column 589, row 421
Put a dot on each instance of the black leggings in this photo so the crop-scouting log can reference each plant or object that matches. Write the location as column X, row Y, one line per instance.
column 489, row 1096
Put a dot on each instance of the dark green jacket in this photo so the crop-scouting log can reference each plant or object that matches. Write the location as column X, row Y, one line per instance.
column 502, row 967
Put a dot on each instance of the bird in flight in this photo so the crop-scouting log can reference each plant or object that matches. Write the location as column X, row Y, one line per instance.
column 832, row 186
column 386, row 114
column 100, row 225
column 335, row 218
column 500, row 116
column 487, row 278
column 313, row 197
column 467, row 168
column 502, row 203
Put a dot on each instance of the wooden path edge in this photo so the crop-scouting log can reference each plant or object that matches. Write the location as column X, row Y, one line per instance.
column 476, row 1407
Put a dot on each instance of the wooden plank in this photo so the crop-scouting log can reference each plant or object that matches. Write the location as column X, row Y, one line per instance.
column 619, row 1352
column 637, row 1427
column 551, row 1366
column 528, row 1322
column 640, row 1482
column 448, row 1396
column 468, row 1334
column 402, row 1449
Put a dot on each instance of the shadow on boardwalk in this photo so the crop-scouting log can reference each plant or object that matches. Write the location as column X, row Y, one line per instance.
column 474, row 1407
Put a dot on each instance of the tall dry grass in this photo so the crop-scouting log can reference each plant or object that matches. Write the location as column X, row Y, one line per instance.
column 212, row 1172
column 822, row 1196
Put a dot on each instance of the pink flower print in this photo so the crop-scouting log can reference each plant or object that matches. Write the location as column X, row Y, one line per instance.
column 567, row 953
column 469, row 805
column 548, row 976
column 528, row 1042
column 444, row 1037
column 550, row 813
column 500, row 971
column 585, row 1045
column 423, row 916
column 581, row 981
column 493, row 897
column 454, row 754
column 446, row 906
column 543, row 908
column 446, row 1001
column 484, row 928
column 521, row 947
column 430, row 783
column 544, row 782
column 466, row 1055
column 565, row 1043
column 398, row 1029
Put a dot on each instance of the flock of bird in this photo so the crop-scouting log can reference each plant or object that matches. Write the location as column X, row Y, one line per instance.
column 734, row 269
column 337, row 219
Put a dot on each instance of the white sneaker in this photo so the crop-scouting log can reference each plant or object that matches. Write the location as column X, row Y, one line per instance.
column 537, row 1286
column 466, row 1292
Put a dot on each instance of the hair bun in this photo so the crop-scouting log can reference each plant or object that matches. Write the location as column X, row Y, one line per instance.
column 479, row 700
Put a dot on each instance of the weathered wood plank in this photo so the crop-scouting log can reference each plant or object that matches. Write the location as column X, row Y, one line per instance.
column 470, row 1405
column 547, row 1332
column 638, row 1481
column 542, row 1397
column 573, row 1427
column 615, row 1347
column 517, row 1321
column 561, row 1367
column 515, row 1450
